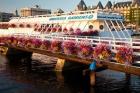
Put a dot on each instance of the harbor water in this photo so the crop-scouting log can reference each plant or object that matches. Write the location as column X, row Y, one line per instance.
column 15, row 77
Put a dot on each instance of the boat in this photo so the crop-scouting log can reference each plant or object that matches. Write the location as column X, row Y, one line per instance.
column 87, row 30
column 85, row 23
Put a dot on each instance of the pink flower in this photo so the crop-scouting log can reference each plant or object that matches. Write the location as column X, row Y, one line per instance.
column 56, row 46
column 46, row 42
column 54, row 29
column 69, row 47
column 71, row 29
column 85, row 50
column 49, row 29
column 126, row 54
column 78, row 31
column 59, row 29
column 65, row 30
column 37, row 42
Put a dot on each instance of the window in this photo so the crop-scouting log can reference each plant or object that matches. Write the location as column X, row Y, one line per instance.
column 90, row 26
column 101, row 27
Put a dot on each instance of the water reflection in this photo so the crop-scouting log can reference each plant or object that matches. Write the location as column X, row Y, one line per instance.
column 17, row 76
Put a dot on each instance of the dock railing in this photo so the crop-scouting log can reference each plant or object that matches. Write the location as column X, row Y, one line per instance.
column 93, row 40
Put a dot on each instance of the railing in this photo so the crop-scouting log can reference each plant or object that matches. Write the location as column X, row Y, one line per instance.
column 93, row 40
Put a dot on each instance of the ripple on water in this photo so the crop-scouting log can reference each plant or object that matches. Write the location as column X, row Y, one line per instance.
column 15, row 78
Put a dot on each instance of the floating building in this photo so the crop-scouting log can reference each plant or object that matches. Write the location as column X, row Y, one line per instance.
column 5, row 17
column 34, row 11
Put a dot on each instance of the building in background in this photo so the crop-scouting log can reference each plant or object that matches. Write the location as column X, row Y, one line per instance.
column 5, row 17
column 34, row 11
column 129, row 9
column 16, row 13
column 81, row 6
column 57, row 11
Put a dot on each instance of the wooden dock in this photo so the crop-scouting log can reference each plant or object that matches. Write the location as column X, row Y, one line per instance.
column 109, row 65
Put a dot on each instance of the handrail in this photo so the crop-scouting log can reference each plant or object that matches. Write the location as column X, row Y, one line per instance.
column 120, row 29
column 92, row 40
column 115, row 29
column 125, row 29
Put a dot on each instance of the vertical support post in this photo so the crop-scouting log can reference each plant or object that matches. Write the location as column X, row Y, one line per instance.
column 60, row 64
column 59, row 76
column 114, row 42
column 110, row 44
column 131, row 42
column 127, row 76
column 99, row 39
column 127, row 80
column 92, row 78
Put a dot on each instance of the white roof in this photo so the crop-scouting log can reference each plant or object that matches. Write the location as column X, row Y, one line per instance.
column 73, row 16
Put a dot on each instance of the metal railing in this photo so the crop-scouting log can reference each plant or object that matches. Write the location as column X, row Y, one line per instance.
column 92, row 40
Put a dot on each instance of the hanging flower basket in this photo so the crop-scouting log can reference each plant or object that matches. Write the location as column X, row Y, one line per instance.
column 21, row 42
column 44, row 29
column 69, row 48
column 85, row 50
column 102, row 52
column 56, row 46
column 65, row 30
column 49, row 29
column 0, row 25
column 4, row 26
column 94, row 33
column 28, row 26
column 124, row 55
column 36, row 43
column 40, row 29
column 54, row 29
column 7, row 40
column 14, row 41
column 1, row 40
column 28, row 43
column 46, row 44
column 59, row 29
column 90, row 33
column 84, row 33
column 78, row 31
column 71, row 31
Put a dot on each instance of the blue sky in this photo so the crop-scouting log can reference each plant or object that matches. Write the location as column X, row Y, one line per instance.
column 67, row 5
